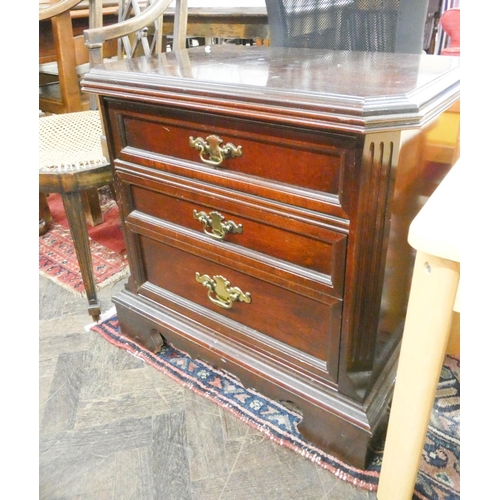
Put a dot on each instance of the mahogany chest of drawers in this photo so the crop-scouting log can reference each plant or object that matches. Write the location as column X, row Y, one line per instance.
column 266, row 195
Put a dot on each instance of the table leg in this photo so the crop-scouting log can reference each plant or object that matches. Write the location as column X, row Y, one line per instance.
column 428, row 321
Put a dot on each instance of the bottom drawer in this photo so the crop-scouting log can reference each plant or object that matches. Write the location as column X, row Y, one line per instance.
column 291, row 322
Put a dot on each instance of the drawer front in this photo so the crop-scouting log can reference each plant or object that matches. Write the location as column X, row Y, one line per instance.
column 291, row 319
column 314, row 251
column 297, row 166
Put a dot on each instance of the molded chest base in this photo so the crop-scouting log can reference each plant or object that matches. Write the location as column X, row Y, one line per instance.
column 330, row 421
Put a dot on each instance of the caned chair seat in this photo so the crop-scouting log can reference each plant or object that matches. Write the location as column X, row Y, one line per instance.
column 71, row 159
column 70, row 142
column 71, row 163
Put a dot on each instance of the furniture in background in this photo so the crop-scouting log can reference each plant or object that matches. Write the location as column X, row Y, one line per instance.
column 431, row 26
column 266, row 195
column 366, row 25
column 72, row 155
column 435, row 233
column 441, row 38
column 63, row 57
column 450, row 23
column 217, row 22
column 61, row 93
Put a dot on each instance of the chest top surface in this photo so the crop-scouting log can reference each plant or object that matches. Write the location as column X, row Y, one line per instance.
column 360, row 91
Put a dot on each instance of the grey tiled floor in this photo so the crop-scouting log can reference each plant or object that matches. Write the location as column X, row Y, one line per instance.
column 112, row 427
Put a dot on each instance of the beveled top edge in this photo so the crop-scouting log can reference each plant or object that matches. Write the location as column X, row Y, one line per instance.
column 353, row 90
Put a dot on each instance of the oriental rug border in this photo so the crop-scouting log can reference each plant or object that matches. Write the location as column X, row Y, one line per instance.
column 439, row 475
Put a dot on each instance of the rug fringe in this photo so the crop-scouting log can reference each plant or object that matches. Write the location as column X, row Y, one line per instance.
column 99, row 286
column 67, row 287
column 113, row 279
column 104, row 316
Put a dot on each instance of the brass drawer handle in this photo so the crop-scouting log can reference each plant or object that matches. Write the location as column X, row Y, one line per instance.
column 225, row 294
column 213, row 148
column 215, row 226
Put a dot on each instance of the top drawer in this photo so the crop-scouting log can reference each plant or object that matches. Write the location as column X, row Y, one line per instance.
column 272, row 155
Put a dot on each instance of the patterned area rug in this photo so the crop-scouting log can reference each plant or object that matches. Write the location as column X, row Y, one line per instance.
column 439, row 475
column 57, row 257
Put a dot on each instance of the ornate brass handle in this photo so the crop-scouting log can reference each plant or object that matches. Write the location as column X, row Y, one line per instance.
column 213, row 148
column 215, row 222
column 225, row 294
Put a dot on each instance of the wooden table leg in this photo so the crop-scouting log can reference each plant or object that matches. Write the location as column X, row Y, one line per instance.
column 428, row 321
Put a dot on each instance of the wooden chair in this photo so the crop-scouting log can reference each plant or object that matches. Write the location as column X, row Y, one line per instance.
column 71, row 157
column 59, row 90
column 450, row 22
column 63, row 57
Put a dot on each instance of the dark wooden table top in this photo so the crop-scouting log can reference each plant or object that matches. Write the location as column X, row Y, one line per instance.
column 354, row 90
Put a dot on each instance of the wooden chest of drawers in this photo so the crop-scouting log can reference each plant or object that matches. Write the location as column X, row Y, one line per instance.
column 266, row 195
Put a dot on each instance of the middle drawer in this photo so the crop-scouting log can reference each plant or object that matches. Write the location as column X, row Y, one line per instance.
column 312, row 251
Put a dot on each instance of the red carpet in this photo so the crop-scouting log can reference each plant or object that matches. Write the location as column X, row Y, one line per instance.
column 57, row 258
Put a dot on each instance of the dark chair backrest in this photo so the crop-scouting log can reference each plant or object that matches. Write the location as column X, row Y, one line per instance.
column 364, row 25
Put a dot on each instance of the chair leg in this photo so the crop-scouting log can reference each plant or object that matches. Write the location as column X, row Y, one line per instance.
column 43, row 226
column 44, row 215
column 92, row 207
column 43, row 208
column 113, row 191
column 73, row 206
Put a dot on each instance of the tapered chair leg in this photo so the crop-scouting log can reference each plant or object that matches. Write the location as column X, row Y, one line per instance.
column 44, row 215
column 43, row 208
column 92, row 206
column 74, row 208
